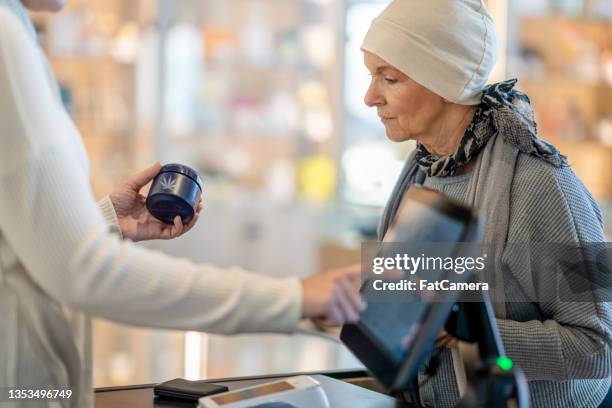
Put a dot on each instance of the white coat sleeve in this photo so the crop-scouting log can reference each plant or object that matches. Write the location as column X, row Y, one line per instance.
column 49, row 217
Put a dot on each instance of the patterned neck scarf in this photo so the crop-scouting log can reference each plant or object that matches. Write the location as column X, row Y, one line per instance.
column 502, row 110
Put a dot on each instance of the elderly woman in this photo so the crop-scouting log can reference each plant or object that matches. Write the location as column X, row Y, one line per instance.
column 62, row 259
column 478, row 144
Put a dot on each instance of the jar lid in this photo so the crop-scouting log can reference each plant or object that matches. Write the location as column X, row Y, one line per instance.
column 184, row 170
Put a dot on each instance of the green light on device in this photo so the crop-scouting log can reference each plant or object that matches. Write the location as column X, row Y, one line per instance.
column 504, row 363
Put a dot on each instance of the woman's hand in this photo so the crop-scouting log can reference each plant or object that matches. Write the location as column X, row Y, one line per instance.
column 332, row 297
column 135, row 220
column 446, row 340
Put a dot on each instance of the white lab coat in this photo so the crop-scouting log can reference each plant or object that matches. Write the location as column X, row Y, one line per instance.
column 60, row 263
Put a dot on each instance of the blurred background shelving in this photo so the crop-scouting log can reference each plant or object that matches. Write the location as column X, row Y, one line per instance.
column 562, row 53
column 265, row 99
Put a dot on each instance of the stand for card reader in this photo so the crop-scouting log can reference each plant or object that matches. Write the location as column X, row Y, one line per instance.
column 494, row 382
column 492, row 379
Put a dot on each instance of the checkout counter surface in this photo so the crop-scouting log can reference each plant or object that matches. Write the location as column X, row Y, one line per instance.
column 337, row 385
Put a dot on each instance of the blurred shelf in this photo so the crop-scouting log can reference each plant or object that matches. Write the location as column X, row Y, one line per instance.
column 560, row 80
column 229, row 136
column 571, row 144
column 582, row 21
column 91, row 61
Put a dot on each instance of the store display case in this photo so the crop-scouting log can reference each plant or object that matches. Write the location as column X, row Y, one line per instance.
column 561, row 51
column 92, row 47
column 250, row 92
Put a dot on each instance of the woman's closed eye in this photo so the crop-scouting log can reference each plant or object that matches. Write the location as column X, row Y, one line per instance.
column 385, row 78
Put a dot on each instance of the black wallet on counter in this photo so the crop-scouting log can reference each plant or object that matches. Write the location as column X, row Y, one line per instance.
column 187, row 390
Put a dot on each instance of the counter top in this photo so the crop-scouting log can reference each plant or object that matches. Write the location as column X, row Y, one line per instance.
column 337, row 385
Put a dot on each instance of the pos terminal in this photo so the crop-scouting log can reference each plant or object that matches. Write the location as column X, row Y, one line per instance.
column 378, row 339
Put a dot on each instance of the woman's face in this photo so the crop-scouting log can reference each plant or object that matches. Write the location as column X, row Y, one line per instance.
column 406, row 108
column 44, row 5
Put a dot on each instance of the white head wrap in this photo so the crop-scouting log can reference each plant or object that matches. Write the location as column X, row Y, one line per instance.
column 448, row 46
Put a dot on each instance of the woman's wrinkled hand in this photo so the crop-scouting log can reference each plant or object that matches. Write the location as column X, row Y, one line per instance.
column 135, row 221
column 444, row 339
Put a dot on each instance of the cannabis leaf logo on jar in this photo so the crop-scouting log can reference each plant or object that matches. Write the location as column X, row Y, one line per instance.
column 168, row 183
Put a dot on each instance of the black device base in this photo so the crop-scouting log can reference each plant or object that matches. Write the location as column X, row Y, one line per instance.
column 490, row 384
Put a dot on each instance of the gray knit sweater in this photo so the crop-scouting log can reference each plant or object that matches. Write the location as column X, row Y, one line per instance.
column 565, row 349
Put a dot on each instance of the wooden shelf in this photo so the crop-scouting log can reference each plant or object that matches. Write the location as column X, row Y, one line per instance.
column 583, row 21
column 571, row 144
column 558, row 80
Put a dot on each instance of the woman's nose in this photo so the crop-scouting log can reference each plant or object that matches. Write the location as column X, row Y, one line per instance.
column 372, row 96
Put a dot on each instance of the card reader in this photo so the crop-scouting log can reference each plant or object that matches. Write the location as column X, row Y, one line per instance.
column 301, row 392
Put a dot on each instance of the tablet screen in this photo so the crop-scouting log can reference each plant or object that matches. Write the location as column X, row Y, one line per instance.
column 400, row 325
column 393, row 324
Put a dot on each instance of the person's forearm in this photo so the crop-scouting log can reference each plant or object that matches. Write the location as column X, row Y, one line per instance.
column 550, row 351
column 138, row 286
column 68, row 251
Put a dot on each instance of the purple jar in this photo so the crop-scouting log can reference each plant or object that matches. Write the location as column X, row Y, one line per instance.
column 176, row 190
